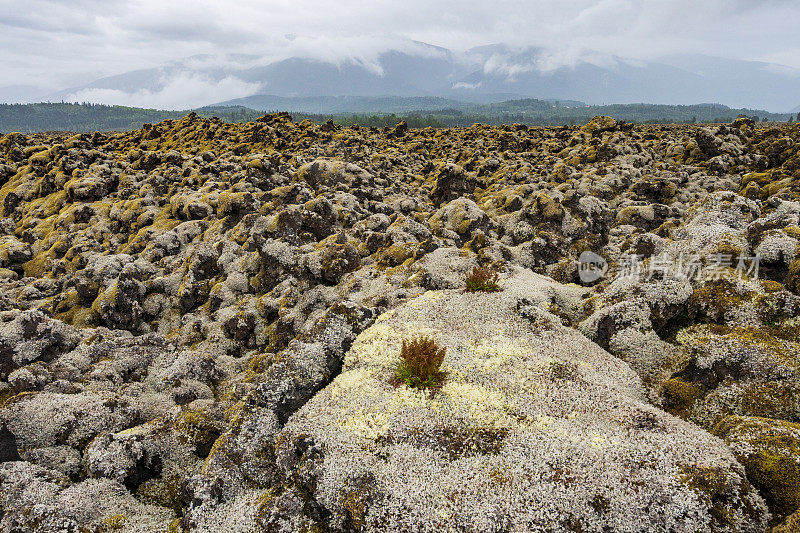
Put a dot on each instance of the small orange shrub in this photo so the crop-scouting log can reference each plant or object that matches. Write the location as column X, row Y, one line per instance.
column 421, row 360
column 482, row 279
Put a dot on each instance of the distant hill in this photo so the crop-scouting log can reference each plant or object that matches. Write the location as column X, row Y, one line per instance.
column 373, row 104
column 796, row 109
column 481, row 75
column 29, row 118
column 344, row 104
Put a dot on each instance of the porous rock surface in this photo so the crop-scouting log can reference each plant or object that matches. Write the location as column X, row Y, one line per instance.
column 173, row 300
column 535, row 427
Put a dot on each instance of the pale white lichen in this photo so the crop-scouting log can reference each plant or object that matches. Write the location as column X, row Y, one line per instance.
column 528, row 425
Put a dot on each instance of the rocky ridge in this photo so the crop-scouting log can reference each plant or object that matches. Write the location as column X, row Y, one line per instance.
column 195, row 313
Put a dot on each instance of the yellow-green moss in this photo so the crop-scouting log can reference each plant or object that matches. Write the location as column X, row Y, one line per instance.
column 31, row 150
column 263, row 502
column 760, row 178
column 680, row 395
column 41, row 264
column 778, row 341
column 260, row 363
column 770, row 286
column 174, row 526
column 712, row 484
column 5, row 395
column 40, row 158
column 715, row 298
column 793, row 277
column 115, row 522
column 396, row 254
column 771, row 457
column 164, row 491
column 355, row 502
column 198, row 428
column 590, row 304
column 727, row 248
column 106, row 299
column 768, row 399
column 68, row 308
column 790, row 525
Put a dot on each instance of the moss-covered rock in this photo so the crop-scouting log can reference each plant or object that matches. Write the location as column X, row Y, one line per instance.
column 461, row 217
column 206, row 264
column 750, row 371
column 770, row 452
column 791, row 524
column 520, row 415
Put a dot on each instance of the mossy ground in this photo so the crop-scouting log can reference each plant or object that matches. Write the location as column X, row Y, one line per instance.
column 196, row 201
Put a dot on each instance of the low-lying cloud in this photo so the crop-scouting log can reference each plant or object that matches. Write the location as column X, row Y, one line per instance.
column 183, row 91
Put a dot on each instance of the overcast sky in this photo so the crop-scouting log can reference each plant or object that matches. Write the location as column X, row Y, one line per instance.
column 61, row 44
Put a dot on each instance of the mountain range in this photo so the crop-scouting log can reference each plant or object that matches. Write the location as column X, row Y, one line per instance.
column 484, row 74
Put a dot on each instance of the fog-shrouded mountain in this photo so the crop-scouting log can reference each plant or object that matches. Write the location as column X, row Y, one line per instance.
column 485, row 74
column 344, row 104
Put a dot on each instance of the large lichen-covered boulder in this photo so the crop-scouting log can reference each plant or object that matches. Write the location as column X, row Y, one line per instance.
column 48, row 419
column 89, row 186
column 770, row 452
column 625, row 330
column 28, row 336
column 461, row 216
column 336, row 258
column 243, row 455
column 600, row 124
column 35, row 499
column 534, row 428
column 323, row 172
column 451, row 182
column 736, row 370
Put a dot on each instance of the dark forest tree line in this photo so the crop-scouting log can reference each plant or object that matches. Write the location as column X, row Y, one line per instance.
column 27, row 118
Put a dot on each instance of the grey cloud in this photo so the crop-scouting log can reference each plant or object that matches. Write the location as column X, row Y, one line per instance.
column 69, row 43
